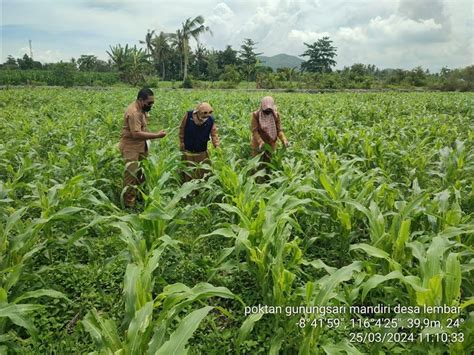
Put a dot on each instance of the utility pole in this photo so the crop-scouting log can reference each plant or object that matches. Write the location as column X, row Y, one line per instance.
column 31, row 50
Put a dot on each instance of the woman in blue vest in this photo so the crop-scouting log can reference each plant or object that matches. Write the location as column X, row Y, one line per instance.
column 197, row 127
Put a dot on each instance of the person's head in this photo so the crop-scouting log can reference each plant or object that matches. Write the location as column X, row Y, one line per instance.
column 267, row 105
column 145, row 99
column 203, row 111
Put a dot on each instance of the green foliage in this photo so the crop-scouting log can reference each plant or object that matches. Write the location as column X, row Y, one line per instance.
column 131, row 62
column 90, row 63
column 321, row 56
column 231, row 76
column 26, row 63
column 188, row 83
column 53, row 77
column 266, row 81
column 63, row 74
column 370, row 204
column 248, row 57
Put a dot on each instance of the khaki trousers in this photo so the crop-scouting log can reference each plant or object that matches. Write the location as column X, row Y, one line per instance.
column 133, row 175
column 191, row 160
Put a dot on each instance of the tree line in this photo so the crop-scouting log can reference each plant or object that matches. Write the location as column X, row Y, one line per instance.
column 169, row 57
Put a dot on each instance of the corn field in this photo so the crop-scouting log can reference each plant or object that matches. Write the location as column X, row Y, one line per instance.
column 371, row 204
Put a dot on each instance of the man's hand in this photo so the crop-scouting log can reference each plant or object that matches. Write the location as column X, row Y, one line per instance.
column 286, row 144
column 260, row 147
column 161, row 134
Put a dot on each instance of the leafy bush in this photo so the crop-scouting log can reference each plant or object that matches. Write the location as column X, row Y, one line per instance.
column 187, row 83
column 231, row 76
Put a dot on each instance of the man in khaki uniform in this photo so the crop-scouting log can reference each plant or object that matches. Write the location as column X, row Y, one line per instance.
column 134, row 142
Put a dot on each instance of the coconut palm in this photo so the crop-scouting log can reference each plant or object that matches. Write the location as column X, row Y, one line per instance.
column 148, row 41
column 161, row 51
column 200, row 59
column 177, row 42
column 191, row 28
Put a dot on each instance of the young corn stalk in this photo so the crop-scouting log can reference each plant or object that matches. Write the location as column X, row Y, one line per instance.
column 263, row 232
column 147, row 320
column 326, row 291
column 390, row 245
column 333, row 184
column 19, row 242
column 436, row 282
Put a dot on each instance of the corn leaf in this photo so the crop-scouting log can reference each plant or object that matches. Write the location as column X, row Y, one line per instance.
column 247, row 327
column 178, row 340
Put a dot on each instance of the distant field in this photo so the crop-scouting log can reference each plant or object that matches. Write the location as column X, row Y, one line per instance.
column 371, row 205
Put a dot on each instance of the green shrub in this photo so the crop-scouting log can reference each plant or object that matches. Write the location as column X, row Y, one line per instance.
column 187, row 83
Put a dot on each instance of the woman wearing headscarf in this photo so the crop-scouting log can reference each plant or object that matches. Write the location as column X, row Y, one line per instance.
column 266, row 128
column 196, row 128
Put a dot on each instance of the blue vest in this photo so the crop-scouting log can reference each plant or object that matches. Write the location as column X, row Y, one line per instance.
column 196, row 137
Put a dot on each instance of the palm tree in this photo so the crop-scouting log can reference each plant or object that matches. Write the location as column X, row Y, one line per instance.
column 148, row 41
column 191, row 28
column 161, row 51
column 177, row 41
column 200, row 55
column 287, row 73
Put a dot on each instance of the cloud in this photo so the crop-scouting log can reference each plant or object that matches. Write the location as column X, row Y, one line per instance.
column 222, row 13
column 43, row 56
column 387, row 33
column 306, row 36
column 108, row 5
column 49, row 56
column 414, row 34
column 354, row 35
column 423, row 10
column 401, row 29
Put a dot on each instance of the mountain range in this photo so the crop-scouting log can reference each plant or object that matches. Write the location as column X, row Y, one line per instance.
column 280, row 61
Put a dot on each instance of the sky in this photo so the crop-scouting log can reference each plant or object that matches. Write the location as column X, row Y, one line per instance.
column 387, row 33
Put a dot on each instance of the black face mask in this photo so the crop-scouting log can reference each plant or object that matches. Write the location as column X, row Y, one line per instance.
column 147, row 108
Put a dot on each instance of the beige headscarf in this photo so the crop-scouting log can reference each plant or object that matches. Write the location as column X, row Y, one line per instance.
column 267, row 121
column 198, row 113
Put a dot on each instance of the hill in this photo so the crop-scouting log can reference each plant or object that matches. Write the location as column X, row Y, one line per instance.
column 280, row 61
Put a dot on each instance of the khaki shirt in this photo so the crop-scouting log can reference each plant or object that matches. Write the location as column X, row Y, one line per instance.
column 134, row 120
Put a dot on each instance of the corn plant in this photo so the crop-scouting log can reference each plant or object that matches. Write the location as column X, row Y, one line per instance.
column 143, row 332
column 324, row 292
column 19, row 242
column 372, row 203
column 438, row 281
column 263, row 234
